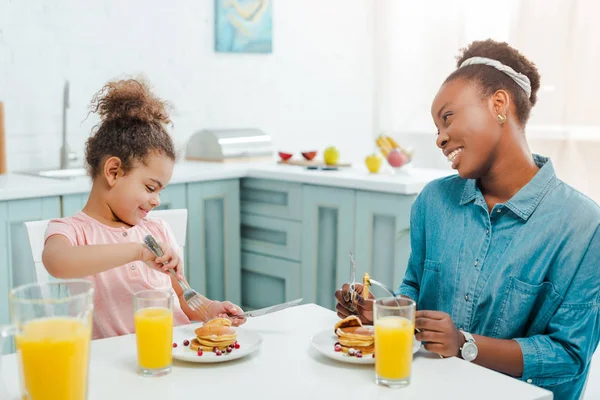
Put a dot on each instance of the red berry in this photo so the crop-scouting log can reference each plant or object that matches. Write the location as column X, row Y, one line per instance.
column 228, row 349
column 373, row 355
column 337, row 347
column 351, row 352
column 358, row 355
column 218, row 352
column 236, row 345
column 186, row 342
column 215, row 349
column 174, row 344
column 200, row 352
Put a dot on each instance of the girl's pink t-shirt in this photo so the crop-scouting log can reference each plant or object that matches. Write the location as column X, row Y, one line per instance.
column 114, row 288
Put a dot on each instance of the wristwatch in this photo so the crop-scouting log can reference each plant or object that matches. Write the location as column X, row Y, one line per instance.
column 468, row 350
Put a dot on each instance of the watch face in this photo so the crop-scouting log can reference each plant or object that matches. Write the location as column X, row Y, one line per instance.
column 469, row 351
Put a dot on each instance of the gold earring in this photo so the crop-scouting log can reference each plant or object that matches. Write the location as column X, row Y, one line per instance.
column 501, row 118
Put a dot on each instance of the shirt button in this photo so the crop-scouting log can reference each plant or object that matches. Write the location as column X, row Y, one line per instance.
column 529, row 381
column 487, row 231
column 132, row 267
column 124, row 234
column 466, row 297
column 499, row 210
column 476, row 262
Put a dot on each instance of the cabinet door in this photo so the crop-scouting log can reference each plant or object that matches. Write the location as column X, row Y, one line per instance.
column 327, row 239
column 18, row 268
column 271, row 236
column 73, row 203
column 271, row 198
column 382, row 236
column 173, row 197
column 213, row 244
column 268, row 280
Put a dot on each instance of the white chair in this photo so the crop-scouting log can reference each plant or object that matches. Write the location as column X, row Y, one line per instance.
column 177, row 220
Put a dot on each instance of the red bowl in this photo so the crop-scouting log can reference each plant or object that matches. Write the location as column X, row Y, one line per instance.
column 309, row 155
column 285, row 156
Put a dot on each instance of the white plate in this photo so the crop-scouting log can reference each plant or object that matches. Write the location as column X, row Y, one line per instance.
column 249, row 342
column 325, row 341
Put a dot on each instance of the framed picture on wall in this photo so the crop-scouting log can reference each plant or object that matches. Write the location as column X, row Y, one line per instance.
column 243, row 26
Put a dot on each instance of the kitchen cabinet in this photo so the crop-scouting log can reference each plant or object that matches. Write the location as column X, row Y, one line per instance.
column 213, row 237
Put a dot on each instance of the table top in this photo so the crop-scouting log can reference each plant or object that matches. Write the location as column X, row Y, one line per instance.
column 286, row 366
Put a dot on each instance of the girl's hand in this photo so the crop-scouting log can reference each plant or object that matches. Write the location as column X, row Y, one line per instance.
column 439, row 333
column 226, row 309
column 168, row 261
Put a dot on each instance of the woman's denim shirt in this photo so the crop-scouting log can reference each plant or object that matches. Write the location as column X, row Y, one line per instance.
column 529, row 270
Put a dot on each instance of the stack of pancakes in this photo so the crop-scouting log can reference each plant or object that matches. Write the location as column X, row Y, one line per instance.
column 216, row 333
column 353, row 335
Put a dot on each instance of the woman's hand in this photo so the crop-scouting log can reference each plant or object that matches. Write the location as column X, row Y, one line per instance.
column 438, row 332
column 226, row 309
column 358, row 306
column 168, row 261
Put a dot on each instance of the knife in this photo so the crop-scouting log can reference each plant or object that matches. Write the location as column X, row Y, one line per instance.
column 271, row 309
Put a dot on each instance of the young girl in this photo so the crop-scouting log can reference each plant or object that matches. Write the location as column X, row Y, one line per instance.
column 504, row 256
column 130, row 159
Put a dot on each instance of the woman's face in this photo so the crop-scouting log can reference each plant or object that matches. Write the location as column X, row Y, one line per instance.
column 468, row 132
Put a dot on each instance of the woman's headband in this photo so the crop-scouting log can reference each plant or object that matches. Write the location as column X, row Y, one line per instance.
column 520, row 79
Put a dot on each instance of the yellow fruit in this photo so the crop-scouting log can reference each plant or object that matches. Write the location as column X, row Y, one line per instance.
column 331, row 155
column 383, row 145
column 392, row 142
column 373, row 162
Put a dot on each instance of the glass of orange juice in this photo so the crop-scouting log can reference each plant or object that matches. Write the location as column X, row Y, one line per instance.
column 52, row 326
column 154, row 331
column 394, row 321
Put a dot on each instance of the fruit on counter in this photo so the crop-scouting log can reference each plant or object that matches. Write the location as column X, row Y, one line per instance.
column 386, row 144
column 309, row 155
column 373, row 162
column 285, row 156
column 397, row 158
column 331, row 155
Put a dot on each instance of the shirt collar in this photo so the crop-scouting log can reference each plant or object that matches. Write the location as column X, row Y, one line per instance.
column 529, row 196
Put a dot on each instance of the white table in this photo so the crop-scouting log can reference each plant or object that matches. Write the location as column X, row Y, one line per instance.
column 287, row 367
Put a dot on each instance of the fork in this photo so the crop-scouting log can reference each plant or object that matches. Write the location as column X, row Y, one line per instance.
column 192, row 298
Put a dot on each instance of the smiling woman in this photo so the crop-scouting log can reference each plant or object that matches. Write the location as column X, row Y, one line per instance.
column 515, row 247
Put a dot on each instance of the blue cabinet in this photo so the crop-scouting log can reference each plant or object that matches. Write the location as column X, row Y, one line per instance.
column 213, row 250
column 382, row 236
column 268, row 280
column 271, row 232
column 71, row 204
column 16, row 264
column 327, row 238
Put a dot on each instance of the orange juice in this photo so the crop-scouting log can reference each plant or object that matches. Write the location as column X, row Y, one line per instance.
column 154, row 334
column 54, row 356
column 393, row 347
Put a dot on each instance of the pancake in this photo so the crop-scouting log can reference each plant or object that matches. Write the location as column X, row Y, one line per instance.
column 351, row 334
column 215, row 333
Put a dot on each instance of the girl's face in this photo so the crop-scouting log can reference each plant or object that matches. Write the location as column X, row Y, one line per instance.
column 468, row 132
column 135, row 194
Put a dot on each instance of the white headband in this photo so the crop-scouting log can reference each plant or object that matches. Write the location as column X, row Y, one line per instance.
column 520, row 79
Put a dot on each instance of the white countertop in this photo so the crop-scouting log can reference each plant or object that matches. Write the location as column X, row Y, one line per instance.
column 287, row 367
column 406, row 180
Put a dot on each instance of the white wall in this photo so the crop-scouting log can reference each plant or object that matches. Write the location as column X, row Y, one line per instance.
column 315, row 89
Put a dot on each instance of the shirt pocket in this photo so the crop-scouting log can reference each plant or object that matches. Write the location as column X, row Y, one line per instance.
column 526, row 309
column 429, row 289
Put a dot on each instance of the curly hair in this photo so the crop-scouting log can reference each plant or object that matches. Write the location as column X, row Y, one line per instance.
column 132, row 124
column 489, row 79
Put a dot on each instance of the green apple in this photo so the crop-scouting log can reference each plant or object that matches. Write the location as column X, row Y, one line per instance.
column 331, row 155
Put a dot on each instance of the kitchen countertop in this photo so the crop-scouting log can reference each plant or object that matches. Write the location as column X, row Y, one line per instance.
column 407, row 180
